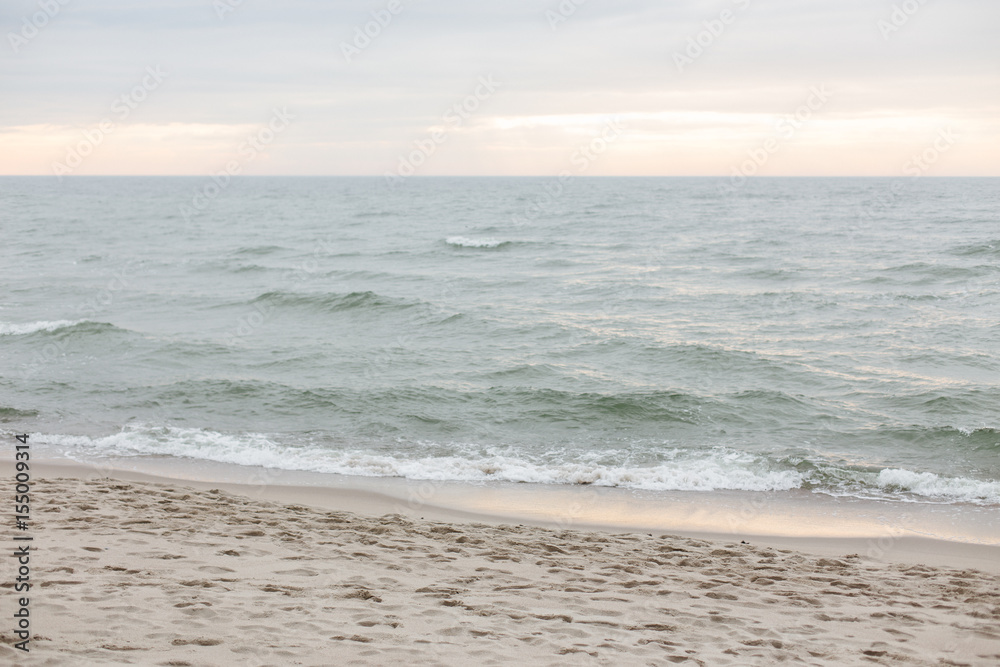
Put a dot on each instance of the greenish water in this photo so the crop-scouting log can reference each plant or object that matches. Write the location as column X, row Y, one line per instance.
column 838, row 335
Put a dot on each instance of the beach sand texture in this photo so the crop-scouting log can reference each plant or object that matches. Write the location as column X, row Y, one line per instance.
column 152, row 574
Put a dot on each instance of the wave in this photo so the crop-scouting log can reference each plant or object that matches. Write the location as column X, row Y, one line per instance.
column 12, row 414
column 987, row 248
column 376, row 401
column 731, row 470
column 931, row 485
column 82, row 328
column 677, row 469
column 941, row 438
column 8, row 329
column 258, row 250
column 332, row 303
column 522, row 373
column 902, row 484
column 935, row 271
column 773, row 274
column 58, row 328
column 463, row 242
column 431, row 411
column 250, row 268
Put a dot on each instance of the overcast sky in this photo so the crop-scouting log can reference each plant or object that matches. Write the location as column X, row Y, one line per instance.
column 538, row 84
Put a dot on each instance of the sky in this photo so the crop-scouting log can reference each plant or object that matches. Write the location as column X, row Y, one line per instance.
column 518, row 87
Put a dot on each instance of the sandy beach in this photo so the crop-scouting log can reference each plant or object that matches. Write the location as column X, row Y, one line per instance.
column 510, row 333
column 130, row 571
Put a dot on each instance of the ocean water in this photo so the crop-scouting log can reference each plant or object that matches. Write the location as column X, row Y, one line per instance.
column 834, row 335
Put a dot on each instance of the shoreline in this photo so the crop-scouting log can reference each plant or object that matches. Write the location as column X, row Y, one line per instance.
column 913, row 533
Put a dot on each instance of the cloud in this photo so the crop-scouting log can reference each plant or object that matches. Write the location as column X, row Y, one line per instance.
column 228, row 69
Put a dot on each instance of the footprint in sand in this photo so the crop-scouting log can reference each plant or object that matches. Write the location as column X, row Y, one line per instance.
column 196, row 642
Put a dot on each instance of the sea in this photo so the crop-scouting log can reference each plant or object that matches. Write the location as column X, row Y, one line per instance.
column 836, row 336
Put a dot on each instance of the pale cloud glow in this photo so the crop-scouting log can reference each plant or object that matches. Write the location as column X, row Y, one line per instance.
column 175, row 148
column 889, row 93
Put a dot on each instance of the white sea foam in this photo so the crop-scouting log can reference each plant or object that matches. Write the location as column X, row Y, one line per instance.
column 7, row 329
column 684, row 470
column 930, row 485
column 732, row 471
column 464, row 242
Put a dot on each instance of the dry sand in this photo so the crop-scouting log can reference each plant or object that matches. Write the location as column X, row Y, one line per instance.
column 131, row 572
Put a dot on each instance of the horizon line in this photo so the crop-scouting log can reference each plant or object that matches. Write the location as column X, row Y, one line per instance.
column 573, row 176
